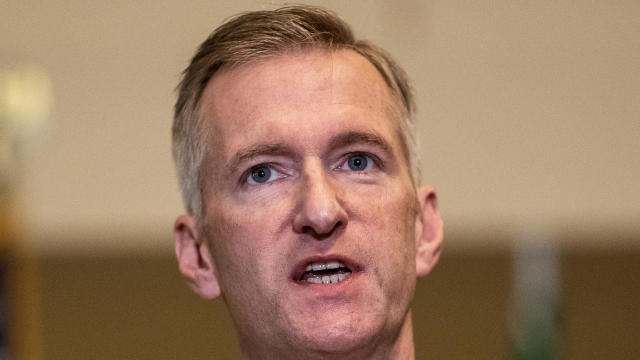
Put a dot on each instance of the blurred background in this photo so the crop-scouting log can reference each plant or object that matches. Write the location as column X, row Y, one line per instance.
column 530, row 128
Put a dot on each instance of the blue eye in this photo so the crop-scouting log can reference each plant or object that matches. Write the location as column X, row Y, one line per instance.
column 359, row 162
column 261, row 174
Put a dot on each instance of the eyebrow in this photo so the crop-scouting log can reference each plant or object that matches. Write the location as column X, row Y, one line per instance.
column 252, row 152
column 358, row 137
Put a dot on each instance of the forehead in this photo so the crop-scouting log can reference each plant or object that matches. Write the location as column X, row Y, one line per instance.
column 301, row 97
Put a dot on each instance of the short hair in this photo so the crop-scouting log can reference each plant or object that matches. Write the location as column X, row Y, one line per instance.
column 260, row 35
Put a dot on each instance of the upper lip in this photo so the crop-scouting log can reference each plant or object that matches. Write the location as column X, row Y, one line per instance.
column 300, row 268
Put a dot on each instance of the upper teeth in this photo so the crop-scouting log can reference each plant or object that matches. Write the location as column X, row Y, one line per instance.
column 318, row 266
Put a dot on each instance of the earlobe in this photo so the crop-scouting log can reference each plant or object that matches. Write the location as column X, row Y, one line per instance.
column 194, row 258
column 429, row 231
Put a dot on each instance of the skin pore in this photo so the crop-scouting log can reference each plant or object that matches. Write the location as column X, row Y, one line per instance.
column 307, row 167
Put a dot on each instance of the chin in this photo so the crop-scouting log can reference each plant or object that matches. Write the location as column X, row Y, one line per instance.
column 338, row 335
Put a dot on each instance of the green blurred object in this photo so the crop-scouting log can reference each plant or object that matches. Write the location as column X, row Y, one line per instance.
column 536, row 293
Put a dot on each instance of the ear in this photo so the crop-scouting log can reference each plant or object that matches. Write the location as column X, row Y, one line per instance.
column 194, row 258
column 429, row 231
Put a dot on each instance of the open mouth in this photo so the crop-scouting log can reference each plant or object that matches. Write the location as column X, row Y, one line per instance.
column 329, row 272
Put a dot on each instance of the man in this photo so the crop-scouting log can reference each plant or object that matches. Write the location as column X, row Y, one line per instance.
column 296, row 161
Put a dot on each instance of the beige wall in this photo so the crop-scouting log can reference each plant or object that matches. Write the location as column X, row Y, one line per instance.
column 529, row 110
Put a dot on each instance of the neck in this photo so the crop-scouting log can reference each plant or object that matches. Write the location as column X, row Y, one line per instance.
column 403, row 347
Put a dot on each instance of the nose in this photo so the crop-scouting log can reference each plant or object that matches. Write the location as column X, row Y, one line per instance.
column 320, row 212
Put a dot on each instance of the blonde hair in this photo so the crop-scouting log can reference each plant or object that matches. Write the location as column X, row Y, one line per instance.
column 259, row 35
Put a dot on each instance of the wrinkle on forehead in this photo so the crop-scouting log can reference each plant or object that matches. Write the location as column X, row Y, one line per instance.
column 308, row 65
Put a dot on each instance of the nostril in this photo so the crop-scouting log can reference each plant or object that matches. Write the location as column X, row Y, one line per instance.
column 322, row 235
column 316, row 235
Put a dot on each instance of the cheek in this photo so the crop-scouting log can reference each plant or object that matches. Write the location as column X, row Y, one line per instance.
column 245, row 237
column 388, row 211
column 388, row 221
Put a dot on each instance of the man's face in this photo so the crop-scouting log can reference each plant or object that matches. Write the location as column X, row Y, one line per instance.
column 305, row 171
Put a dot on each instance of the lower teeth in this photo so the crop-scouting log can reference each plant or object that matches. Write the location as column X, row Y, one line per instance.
column 332, row 279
